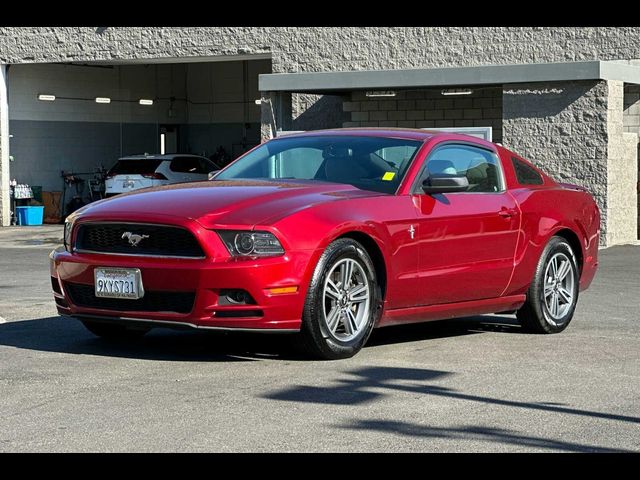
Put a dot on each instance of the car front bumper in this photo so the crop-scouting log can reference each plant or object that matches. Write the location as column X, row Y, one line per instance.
column 277, row 312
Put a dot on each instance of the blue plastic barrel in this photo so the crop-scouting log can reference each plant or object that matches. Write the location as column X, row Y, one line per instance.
column 30, row 215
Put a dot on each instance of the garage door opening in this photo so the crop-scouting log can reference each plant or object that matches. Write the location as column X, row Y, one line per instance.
column 76, row 120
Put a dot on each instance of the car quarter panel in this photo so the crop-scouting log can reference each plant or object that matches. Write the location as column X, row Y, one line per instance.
column 546, row 212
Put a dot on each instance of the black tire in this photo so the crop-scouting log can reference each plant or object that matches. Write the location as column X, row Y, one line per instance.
column 534, row 315
column 317, row 340
column 113, row 331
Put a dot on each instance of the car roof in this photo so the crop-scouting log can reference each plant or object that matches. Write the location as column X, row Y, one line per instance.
column 166, row 156
column 404, row 133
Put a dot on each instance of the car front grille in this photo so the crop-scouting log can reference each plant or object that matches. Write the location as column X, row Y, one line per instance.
column 153, row 301
column 156, row 240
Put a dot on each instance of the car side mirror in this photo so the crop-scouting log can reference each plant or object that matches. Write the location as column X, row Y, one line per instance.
column 445, row 183
column 212, row 174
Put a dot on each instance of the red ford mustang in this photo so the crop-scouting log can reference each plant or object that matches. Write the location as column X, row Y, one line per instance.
column 331, row 234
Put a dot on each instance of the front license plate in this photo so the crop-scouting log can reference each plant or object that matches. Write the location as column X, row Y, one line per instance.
column 118, row 283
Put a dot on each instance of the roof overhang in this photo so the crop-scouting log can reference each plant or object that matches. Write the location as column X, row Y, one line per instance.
column 337, row 82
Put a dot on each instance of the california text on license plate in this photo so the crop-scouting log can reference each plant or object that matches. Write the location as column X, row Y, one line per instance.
column 118, row 283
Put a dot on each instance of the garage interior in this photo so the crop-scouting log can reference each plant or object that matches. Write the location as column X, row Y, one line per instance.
column 80, row 118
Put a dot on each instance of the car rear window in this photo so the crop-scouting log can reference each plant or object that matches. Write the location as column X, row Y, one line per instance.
column 133, row 167
column 191, row 165
column 525, row 174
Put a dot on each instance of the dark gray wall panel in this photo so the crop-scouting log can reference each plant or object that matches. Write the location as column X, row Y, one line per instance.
column 42, row 149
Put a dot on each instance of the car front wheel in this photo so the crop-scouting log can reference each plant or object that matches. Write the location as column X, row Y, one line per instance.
column 343, row 302
column 553, row 295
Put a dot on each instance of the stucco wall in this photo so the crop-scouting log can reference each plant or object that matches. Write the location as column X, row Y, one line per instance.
column 622, row 171
column 631, row 124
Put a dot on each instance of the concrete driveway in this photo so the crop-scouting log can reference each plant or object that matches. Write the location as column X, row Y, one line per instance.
column 477, row 384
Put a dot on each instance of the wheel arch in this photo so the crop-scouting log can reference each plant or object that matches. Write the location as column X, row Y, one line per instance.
column 374, row 251
column 574, row 242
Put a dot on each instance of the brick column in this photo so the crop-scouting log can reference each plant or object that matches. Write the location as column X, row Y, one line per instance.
column 4, row 148
column 573, row 130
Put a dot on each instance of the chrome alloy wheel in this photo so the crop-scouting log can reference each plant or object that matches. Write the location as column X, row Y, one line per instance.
column 559, row 286
column 346, row 300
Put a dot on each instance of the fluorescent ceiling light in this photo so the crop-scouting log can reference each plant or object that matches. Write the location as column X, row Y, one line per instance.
column 457, row 91
column 46, row 98
column 381, row 93
column 103, row 100
column 145, row 101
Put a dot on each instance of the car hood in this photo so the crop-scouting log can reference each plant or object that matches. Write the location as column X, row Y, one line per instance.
column 224, row 203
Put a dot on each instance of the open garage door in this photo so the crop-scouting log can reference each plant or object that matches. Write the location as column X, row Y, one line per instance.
column 76, row 120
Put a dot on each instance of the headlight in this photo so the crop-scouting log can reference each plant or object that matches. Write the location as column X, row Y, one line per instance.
column 251, row 244
column 67, row 235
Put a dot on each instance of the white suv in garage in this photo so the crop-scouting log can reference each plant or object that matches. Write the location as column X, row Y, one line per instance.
column 141, row 171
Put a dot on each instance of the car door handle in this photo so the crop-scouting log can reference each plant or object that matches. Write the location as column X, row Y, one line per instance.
column 506, row 212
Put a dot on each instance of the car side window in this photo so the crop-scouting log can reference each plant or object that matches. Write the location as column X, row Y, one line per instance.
column 525, row 174
column 481, row 167
column 187, row 165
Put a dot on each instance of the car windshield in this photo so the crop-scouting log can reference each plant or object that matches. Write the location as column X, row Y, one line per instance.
column 368, row 163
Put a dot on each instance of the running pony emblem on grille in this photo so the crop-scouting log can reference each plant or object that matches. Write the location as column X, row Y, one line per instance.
column 134, row 238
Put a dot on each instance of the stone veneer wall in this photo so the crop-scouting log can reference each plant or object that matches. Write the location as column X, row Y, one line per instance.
column 574, row 131
column 426, row 108
column 315, row 49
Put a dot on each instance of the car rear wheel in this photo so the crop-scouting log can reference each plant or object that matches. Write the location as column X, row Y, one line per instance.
column 343, row 302
column 553, row 295
column 114, row 332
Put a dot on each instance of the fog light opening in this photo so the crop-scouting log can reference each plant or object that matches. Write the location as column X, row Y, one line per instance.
column 235, row 297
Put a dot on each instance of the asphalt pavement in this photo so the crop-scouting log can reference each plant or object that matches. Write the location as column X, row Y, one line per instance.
column 466, row 385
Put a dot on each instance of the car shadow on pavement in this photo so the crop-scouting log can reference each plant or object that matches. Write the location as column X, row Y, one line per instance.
column 366, row 385
column 477, row 434
column 444, row 328
column 67, row 335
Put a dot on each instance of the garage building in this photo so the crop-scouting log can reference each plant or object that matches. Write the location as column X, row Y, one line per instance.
column 75, row 99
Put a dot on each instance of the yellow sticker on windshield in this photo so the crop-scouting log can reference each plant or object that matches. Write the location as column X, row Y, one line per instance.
column 388, row 176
